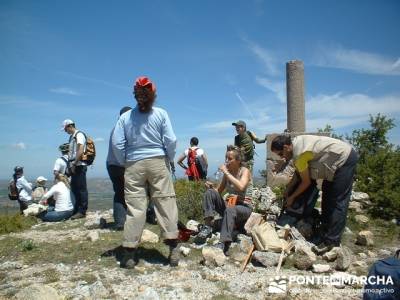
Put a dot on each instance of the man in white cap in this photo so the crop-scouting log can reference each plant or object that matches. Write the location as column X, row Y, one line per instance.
column 78, row 168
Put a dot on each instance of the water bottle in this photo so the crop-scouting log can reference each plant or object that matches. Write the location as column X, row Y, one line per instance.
column 218, row 175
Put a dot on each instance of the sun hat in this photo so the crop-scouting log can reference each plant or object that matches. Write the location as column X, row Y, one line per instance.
column 41, row 178
column 66, row 123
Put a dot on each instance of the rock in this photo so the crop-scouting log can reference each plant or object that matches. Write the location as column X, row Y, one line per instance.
column 238, row 256
column 213, row 256
column 93, row 221
column 304, row 247
column 347, row 230
column 10, row 265
column 184, row 250
column 192, row 225
column 363, row 255
column 38, row 292
column 275, row 209
column 371, row 254
column 267, row 198
column 148, row 294
column 359, row 263
column 302, row 261
column 93, row 236
column 359, row 197
column 149, row 237
column 384, row 253
column 319, row 268
column 332, row 255
column 343, row 260
column 361, row 219
column 98, row 291
column 356, row 206
column 245, row 242
column 365, row 238
column 267, row 259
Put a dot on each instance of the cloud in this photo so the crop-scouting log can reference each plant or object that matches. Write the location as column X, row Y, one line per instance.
column 276, row 86
column 94, row 80
column 267, row 57
column 356, row 60
column 99, row 139
column 20, row 146
column 65, row 90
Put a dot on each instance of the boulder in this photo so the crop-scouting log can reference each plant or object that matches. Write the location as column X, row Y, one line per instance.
column 359, row 197
column 149, row 237
column 38, row 292
column 356, row 206
column 213, row 256
column 343, row 260
column 320, row 268
column 365, row 238
column 245, row 243
column 302, row 261
column 266, row 199
column 267, row 259
column 361, row 219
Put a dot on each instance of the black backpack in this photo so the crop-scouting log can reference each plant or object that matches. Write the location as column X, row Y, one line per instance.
column 378, row 290
column 13, row 192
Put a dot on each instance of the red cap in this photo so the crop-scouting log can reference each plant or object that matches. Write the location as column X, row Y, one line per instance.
column 144, row 81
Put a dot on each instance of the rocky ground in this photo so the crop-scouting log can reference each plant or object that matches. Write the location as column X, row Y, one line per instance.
column 79, row 260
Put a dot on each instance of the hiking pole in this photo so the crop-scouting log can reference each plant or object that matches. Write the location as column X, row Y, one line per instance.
column 244, row 264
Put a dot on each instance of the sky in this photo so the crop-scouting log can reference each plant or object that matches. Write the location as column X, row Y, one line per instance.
column 213, row 62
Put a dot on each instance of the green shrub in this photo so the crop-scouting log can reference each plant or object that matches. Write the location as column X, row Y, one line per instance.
column 189, row 198
column 15, row 223
column 28, row 245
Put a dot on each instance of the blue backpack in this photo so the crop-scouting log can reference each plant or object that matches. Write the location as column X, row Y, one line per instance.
column 380, row 291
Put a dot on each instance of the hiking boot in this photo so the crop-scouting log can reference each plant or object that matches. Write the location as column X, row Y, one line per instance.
column 174, row 253
column 128, row 260
column 224, row 247
column 322, row 248
column 205, row 232
column 78, row 215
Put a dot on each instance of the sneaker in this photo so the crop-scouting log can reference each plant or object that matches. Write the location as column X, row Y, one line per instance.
column 322, row 248
column 128, row 260
column 78, row 215
column 205, row 232
column 174, row 253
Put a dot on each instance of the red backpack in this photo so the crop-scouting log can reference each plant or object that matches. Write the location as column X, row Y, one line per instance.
column 193, row 164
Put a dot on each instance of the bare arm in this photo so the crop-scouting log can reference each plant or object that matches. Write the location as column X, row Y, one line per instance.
column 304, row 184
column 180, row 161
column 241, row 183
column 256, row 139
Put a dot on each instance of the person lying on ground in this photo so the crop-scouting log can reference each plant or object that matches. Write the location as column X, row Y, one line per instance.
column 236, row 208
column 63, row 197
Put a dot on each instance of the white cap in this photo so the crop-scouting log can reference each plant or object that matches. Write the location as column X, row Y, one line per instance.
column 41, row 178
column 66, row 122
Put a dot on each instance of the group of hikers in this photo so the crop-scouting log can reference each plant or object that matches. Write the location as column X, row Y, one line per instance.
column 140, row 164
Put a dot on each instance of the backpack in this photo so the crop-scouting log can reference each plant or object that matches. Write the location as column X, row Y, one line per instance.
column 89, row 153
column 378, row 290
column 67, row 168
column 13, row 192
column 194, row 169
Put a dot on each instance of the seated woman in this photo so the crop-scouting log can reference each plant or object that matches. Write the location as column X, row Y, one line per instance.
column 63, row 198
column 236, row 209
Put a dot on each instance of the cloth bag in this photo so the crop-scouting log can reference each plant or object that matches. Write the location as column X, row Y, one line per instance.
column 265, row 238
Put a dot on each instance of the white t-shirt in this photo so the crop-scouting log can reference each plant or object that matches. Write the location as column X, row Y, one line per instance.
column 62, row 195
column 25, row 189
column 199, row 155
column 60, row 165
column 80, row 139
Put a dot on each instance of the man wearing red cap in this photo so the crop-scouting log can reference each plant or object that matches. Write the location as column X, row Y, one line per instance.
column 143, row 141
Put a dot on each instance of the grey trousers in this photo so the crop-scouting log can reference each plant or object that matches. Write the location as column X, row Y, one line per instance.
column 232, row 217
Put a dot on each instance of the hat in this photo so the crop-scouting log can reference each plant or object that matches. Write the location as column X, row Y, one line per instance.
column 239, row 123
column 66, row 123
column 64, row 147
column 41, row 178
column 143, row 81
column 18, row 169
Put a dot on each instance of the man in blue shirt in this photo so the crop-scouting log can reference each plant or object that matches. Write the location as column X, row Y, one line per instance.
column 144, row 142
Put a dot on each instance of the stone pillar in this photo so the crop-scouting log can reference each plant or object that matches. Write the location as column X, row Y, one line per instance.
column 295, row 96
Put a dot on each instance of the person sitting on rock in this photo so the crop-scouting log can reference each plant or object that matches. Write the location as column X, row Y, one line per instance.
column 236, row 208
column 63, row 197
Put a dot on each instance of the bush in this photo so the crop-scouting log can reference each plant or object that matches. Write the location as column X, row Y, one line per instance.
column 15, row 223
column 189, row 198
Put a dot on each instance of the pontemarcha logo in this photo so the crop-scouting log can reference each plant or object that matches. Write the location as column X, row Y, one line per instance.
column 277, row 285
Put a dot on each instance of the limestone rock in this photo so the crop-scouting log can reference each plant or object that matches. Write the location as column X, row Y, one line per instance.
column 365, row 238
column 359, row 196
column 268, row 197
column 363, row 255
column 371, row 254
column 38, row 292
column 267, row 259
column 356, row 206
column 98, row 291
column 213, row 256
column 148, row 294
column 332, row 255
column 302, row 261
column 344, row 258
column 149, row 237
column 93, row 236
column 184, row 250
column 361, row 219
column 320, row 268
column 245, row 242
column 384, row 253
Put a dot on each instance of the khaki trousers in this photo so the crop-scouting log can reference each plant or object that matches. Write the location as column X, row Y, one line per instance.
column 143, row 179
